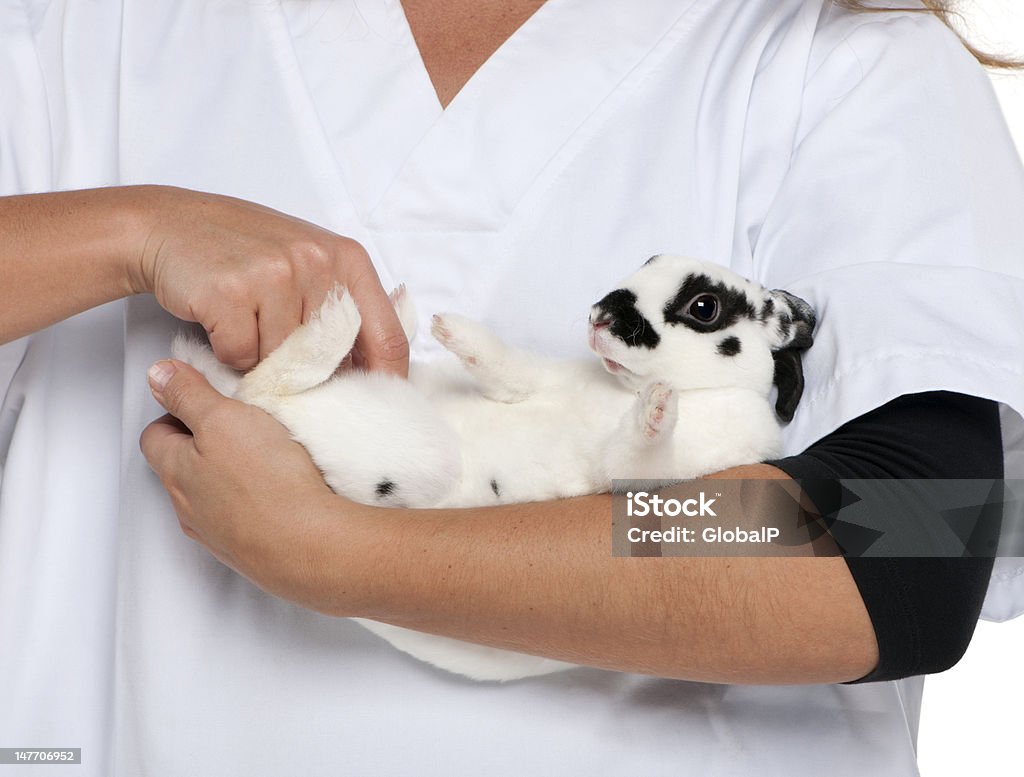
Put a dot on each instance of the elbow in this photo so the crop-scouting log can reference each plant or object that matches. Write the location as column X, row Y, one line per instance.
column 859, row 657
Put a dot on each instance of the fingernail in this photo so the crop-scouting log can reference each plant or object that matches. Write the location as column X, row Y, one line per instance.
column 160, row 373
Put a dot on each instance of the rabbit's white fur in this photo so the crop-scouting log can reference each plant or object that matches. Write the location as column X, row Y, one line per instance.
column 672, row 397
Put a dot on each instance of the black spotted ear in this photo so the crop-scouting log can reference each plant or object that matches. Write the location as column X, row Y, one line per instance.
column 789, row 380
column 793, row 321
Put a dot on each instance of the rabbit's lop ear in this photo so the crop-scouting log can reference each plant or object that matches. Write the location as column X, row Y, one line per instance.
column 791, row 323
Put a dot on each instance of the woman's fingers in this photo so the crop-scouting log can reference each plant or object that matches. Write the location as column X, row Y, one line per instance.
column 278, row 316
column 235, row 336
column 250, row 275
column 186, row 395
column 164, row 443
column 382, row 342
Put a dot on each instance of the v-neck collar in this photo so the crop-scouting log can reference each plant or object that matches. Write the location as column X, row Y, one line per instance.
column 368, row 125
column 411, row 166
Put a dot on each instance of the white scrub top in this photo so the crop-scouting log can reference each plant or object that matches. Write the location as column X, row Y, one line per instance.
column 859, row 161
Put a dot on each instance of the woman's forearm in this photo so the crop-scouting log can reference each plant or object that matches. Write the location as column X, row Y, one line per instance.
column 541, row 578
column 63, row 253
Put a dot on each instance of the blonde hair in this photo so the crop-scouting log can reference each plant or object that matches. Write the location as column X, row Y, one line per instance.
column 945, row 11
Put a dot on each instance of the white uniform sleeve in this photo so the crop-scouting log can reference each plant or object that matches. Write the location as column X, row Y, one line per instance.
column 901, row 219
column 25, row 164
column 24, row 122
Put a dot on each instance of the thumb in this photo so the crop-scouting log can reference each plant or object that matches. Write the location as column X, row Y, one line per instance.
column 184, row 393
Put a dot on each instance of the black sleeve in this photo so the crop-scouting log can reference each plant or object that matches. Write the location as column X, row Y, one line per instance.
column 923, row 609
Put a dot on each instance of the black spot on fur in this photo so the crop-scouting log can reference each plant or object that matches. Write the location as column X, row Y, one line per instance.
column 733, row 304
column 495, row 489
column 730, row 346
column 618, row 309
column 766, row 309
column 385, row 488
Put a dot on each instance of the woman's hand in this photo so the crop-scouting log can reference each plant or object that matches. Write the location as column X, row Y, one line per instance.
column 250, row 275
column 241, row 487
column 247, row 273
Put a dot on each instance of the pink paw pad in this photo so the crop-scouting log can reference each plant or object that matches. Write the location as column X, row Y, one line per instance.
column 655, row 409
column 442, row 331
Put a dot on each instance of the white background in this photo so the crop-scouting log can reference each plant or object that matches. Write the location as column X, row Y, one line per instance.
column 972, row 722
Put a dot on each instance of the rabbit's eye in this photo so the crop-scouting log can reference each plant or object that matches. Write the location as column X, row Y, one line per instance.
column 704, row 308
